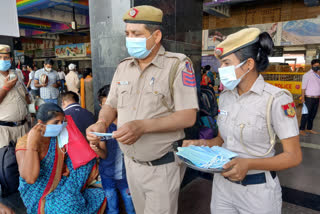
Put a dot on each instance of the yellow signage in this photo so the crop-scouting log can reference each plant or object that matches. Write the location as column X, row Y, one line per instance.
column 292, row 86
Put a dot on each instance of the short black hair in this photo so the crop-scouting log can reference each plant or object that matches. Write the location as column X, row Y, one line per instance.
column 70, row 95
column 314, row 61
column 48, row 61
column 103, row 92
column 48, row 111
column 207, row 67
column 152, row 28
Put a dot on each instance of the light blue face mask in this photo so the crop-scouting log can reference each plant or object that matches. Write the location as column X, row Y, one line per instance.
column 205, row 157
column 53, row 130
column 5, row 65
column 228, row 76
column 137, row 47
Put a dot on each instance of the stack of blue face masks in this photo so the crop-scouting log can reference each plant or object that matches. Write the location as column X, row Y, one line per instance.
column 206, row 157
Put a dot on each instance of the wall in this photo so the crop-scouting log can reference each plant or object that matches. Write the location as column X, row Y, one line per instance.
column 260, row 12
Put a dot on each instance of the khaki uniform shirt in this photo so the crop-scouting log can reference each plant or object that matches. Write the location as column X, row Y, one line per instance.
column 73, row 82
column 250, row 109
column 13, row 108
column 137, row 95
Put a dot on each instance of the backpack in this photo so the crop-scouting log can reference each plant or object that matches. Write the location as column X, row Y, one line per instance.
column 205, row 126
column 9, row 173
column 208, row 102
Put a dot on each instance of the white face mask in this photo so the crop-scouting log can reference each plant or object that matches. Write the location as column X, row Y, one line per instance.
column 48, row 69
column 228, row 76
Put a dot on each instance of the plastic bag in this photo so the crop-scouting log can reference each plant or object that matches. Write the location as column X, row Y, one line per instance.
column 304, row 109
column 78, row 148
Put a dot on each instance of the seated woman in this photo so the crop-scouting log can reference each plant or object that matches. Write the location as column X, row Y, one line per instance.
column 48, row 182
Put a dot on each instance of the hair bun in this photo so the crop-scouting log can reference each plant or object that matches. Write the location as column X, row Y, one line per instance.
column 266, row 43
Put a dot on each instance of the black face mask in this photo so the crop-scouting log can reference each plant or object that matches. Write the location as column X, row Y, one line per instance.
column 316, row 68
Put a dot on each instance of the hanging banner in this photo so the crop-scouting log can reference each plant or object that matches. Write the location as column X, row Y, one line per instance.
column 71, row 50
column 9, row 19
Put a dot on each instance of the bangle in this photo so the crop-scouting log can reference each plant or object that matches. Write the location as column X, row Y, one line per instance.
column 5, row 88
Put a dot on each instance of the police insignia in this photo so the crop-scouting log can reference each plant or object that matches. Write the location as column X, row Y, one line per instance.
column 289, row 109
column 188, row 77
column 133, row 13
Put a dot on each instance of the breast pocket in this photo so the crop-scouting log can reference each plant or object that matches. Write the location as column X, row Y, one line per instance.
column 255, row 131
column 124, row 96
column 156, row 98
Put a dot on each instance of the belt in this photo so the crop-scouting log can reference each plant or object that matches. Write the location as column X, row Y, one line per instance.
column 313, row 96
column 13, row 124
column 167, row 158
column 259, row 178
column 177, row 144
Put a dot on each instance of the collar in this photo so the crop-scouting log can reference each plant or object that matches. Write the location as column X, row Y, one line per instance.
column 71, row 106
column 257, row 86
column 157, row 60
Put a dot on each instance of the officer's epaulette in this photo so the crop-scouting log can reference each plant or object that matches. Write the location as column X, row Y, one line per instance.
column 179, row 56
column 273, row 90
column 125, row 59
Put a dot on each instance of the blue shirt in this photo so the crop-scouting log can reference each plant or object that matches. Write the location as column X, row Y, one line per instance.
column 113, row 165
column 81, row 117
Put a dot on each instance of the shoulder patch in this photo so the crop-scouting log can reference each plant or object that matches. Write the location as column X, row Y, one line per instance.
column 289, row 109
column 188, row 77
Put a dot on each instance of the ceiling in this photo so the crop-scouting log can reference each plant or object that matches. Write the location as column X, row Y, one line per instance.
column 37, row 17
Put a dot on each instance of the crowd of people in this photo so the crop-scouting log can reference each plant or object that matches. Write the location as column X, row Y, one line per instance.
column 146, row 114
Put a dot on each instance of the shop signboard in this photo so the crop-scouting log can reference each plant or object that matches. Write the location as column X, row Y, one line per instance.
column 44, row 53
column 71, row 50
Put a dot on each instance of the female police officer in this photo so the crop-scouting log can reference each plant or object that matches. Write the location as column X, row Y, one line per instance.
column 251, row 113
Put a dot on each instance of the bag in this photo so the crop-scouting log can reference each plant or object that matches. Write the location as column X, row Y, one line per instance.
column 208, row 128
column 208, row 102
column 9, row 173
column 78, row 148
column 304, row 109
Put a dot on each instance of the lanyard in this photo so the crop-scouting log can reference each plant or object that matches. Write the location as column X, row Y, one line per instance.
column 317, row 75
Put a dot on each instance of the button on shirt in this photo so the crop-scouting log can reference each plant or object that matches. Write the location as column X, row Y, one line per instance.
column 250, row 110
column 48, row 92
column 138, row 95
column 311, row 83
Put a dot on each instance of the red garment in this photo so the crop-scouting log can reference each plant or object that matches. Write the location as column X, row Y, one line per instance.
column 26, row 76
column 203, row 80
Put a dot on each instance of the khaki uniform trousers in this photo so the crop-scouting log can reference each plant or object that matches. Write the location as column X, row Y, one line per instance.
column 8, row 133
column 155, row 189
column 232, row 198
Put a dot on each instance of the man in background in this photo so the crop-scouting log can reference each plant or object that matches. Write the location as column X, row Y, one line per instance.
column 48, row 85
column 310, row 96
column 82, row 117
column 72, row 79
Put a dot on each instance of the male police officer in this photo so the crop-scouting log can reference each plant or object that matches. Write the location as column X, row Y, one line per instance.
column 150, row 115
column 13, row 101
